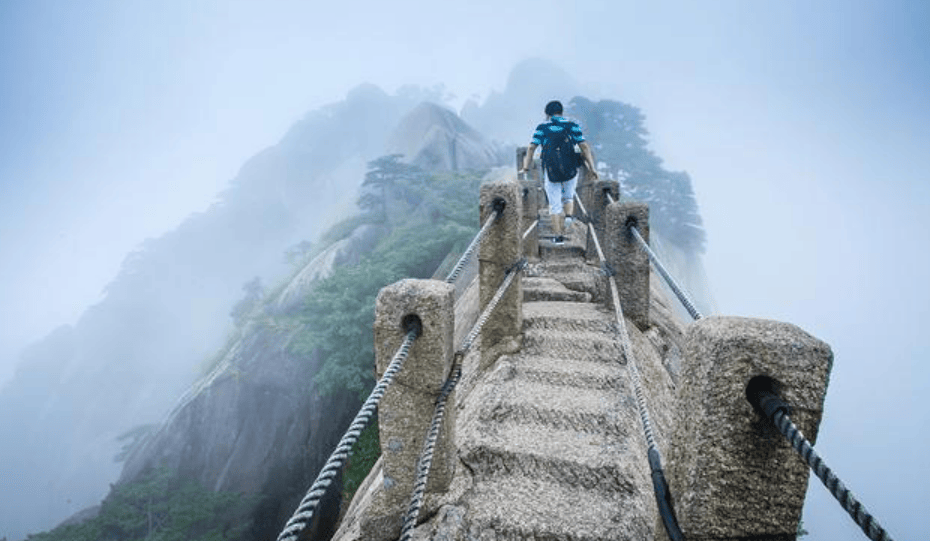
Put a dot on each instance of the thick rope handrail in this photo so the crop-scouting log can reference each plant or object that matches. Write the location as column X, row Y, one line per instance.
column 304, row 513
column 778, row 412
column 476, row 242
column 679, row 292
column 426, row 458
column 659, row 483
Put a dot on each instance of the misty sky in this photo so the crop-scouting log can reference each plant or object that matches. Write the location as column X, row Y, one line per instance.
column 805, row 127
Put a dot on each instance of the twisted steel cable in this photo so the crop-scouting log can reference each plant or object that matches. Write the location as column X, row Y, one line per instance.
column 530, row 228
column 659, row 483
column 581, row 206
column 492, row 304
column 679, row 292
column 304, row 513
column 778, row 412
column 457, row 270
column 426, row 458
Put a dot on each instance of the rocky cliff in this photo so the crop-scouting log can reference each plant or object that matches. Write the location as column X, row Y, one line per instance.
column 258, row 423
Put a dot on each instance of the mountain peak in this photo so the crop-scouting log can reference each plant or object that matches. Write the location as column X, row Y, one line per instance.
column 435, row 138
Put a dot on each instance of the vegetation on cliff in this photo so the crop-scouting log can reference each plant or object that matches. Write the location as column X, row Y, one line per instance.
column 160, row 506
column 428, row 215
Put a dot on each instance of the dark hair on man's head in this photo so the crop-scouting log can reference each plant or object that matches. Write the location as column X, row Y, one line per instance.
column 553, row 108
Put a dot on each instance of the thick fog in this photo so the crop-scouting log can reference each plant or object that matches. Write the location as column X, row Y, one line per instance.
column 805, row 128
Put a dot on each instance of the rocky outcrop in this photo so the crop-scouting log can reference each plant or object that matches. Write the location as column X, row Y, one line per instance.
column 342, row 252
column 436, row 139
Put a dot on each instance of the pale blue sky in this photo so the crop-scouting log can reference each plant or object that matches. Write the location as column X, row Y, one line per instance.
column 805, row 127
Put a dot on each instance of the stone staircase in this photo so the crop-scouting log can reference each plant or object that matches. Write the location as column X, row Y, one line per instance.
column 551, row 442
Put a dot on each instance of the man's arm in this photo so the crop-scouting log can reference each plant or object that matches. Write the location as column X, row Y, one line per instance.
column 528, row 159
column 588, row 158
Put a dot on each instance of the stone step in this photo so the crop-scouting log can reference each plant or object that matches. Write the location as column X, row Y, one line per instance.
column 567, row 316
column 521, row 400
column 550, row 289
column 573, row 274
column 572, row 248
column 583, row 375
column 520, row 507
column 589, row 460
column 573, row 344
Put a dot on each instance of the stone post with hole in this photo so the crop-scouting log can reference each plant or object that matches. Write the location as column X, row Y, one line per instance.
column 596, row 201
column 406, row 410
column 627, row 259
column 732, row 475
column 531, row 193
column 500, row 251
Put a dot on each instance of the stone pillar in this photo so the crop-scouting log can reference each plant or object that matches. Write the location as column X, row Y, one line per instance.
column 534, row 172
column 731, row 473
column 530, row 191
column 407, row 406
column 595, row 202
column 626, row 257
column 501, row 249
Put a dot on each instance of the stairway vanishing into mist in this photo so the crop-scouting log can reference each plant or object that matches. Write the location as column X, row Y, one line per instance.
column 548, row 439
column 551, row 443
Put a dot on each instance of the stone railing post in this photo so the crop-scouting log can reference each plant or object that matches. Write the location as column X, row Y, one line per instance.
column 501, row 249
column 627, row 259
column 731, row 473
column 406, row 409
column 534, row 173
column 531, row 195
column 595, row 202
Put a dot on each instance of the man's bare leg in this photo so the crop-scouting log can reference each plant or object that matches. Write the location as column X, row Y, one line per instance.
column 557, row 224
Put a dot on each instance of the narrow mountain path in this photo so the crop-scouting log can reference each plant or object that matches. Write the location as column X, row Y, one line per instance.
column 552, row 444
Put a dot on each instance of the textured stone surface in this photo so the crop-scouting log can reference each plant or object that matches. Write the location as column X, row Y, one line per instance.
column 733, row 475
column 501, row 249
column 627, row 259
column 532, row 196
column 549, row 440
column 595, row 202
column 406, row 409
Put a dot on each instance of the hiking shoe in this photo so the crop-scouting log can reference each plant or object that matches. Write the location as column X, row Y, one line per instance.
column 558, row 241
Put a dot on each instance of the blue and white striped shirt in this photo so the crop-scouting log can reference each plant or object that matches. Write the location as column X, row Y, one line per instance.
column 556, row 125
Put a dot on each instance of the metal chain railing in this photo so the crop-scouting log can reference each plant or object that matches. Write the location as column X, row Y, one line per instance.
column 659, row 483
column 476, row 242
column 304, row 513
column 426, row 458
column 778, row 412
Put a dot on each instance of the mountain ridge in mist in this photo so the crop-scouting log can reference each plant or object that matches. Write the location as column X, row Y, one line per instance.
column 271, row 204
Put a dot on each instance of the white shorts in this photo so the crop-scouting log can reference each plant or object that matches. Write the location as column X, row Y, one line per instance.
column 560, row 193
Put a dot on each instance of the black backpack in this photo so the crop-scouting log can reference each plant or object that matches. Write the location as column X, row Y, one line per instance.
column 559, row 157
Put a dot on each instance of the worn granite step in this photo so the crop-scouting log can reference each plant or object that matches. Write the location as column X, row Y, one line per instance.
column 523, row 400
column 580, row 374
column 550, row 289
column 524, row 507
column 590, row 460
column 573, row 274
column 573, row 344
column 567, row 316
